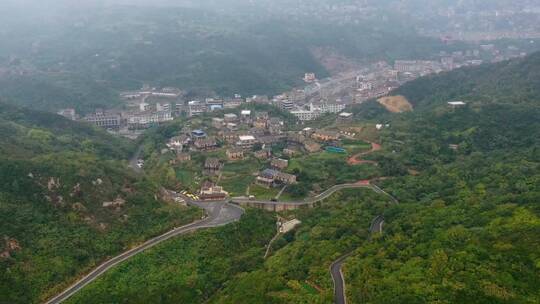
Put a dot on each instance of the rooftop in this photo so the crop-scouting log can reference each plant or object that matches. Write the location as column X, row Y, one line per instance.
column 246, row 137
column 456, row 103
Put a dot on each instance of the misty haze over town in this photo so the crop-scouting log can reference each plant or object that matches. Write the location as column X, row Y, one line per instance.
column 270, row 151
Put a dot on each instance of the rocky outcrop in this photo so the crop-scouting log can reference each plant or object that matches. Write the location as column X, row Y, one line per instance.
column 118, row 202
column 10, row 246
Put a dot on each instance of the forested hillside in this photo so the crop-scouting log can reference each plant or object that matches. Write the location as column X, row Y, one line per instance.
column 467, row 229
column 55, row 176
column 515, row 81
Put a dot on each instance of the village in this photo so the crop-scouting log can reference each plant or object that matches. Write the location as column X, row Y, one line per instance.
column 254, row 154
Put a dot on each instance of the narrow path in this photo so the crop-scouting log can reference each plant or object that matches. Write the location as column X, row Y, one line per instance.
column 356, row 159
column 269, row 246
column 280, row 192
column 218, row 214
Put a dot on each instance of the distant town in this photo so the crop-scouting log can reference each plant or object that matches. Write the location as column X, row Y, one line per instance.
column 152, row 106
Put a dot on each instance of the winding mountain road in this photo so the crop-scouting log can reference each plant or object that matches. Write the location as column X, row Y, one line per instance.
column 218, row 214
column 340, row 294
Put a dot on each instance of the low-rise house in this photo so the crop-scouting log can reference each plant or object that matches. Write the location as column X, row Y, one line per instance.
column 260, row 123
column 229, row 136
column 246, row 141
column 212, row 192
column 290, row 152
column 198, row 134
column 235, row 154
column 286, row 178
column 263, row 154
column 245, row 114
column 257, row 132
column 205, row 144
column 307, row 132
column 312, row 147
column 279, row 163
column 218, row 122
column 183, row 157
column 456, row 104
column 230, row 117
column 345, row 116
column 270, row 139
column 212, row 166
column 177, row 143
column 323, row 135
column 265, row 180
column 270, row 178
column 232, row 126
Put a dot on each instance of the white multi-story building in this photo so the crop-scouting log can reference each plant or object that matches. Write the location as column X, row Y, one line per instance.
column 316, row 111
column 306, row 115
column 144, row 120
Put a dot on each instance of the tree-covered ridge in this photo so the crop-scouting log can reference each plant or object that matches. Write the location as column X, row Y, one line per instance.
column 515, row 81
column 68, row 201
column 27, row 133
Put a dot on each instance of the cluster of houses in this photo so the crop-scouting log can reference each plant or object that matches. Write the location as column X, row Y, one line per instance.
column 246, row 134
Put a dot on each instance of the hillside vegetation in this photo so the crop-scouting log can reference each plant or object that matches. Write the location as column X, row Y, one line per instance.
column 515, row 81
column 55, row 176
column 467, row 229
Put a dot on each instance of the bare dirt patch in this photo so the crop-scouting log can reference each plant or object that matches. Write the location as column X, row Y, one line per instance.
column 396, row 104
column 357, row 159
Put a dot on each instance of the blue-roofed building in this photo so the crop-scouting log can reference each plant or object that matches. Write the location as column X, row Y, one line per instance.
column 198, row 134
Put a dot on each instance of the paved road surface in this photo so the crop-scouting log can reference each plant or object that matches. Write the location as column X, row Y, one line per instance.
column 340, row 294
column 308, row 201
column 219, row 214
